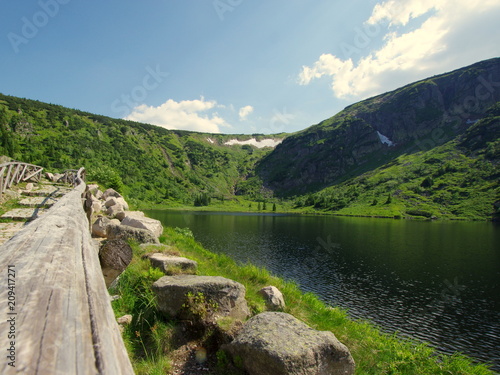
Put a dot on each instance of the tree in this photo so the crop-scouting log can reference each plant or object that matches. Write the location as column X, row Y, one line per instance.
column 274, row 207
column 389, row 198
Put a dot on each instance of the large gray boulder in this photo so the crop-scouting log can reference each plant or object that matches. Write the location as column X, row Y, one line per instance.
column 125, row 232
column 114, row 256
column 223, row 297
column 170, row 264
column 275, row 343
column 137, row 219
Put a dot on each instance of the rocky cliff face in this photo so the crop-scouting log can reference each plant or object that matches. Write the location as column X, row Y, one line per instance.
column 417, row 117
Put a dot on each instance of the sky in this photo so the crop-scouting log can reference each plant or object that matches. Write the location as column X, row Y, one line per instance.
column 234, row 66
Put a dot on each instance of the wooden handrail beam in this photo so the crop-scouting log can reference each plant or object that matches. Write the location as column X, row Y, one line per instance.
column 57, row 312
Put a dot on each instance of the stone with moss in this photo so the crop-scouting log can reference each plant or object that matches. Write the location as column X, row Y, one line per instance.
column 275, row 343
column 205, row 297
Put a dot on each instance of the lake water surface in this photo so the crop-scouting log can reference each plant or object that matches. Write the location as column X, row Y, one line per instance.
column 434, row 281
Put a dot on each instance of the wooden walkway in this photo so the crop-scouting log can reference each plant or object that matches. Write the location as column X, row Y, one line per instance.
column 57, row 316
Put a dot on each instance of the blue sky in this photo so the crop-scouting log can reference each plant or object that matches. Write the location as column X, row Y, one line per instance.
column 234, row 66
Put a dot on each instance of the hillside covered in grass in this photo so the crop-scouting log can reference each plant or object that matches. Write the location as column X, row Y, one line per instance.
column 149, row 163
column 459, row 179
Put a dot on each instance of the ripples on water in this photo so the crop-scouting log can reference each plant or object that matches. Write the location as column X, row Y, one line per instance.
column 387, row 272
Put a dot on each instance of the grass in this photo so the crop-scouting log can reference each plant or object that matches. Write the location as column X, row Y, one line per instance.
column 151, row 339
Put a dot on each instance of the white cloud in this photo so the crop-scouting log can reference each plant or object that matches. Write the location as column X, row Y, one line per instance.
column 448, row 33
column 245, row 111
column 183, row 115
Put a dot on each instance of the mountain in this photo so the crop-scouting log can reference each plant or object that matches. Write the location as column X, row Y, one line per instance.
column 368, row 134
column 429, row 149
column 149, row 163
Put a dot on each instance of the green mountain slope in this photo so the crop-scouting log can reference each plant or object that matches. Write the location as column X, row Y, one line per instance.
column 459, row 179
column 150, row 163
column 368, row 134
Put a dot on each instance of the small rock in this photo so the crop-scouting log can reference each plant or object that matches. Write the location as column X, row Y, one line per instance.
column 29, row 186
column 111, row 193
column 168, row 263
column 273, row 297
column 124, row 320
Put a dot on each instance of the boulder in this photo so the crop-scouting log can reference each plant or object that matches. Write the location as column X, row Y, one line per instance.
column 50, row 176
column 126, row 232
column 120, row 215
column 275, row 343
column 96, row 206
column 115, row 255
column 99, row 226
column 273, row 297
column 114, row 210
column 224, row 296
column 93, row 188
column 98, row 194
column 135, row 214
column 143, row 222
column 169, row 264
column 29, row 186
column 111, row 193
column 111, row 201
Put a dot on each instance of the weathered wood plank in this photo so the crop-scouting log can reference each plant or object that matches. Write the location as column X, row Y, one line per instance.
column 21, row 174
column 64, row 323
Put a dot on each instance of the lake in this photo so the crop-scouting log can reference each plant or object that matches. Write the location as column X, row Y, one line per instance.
column 434, row 281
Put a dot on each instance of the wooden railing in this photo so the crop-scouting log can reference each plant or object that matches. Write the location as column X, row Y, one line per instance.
column 14, row 172
column 55, row 314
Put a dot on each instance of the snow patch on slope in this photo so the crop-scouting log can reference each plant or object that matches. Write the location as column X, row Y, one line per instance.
column 253, row 142
column 385, row 140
